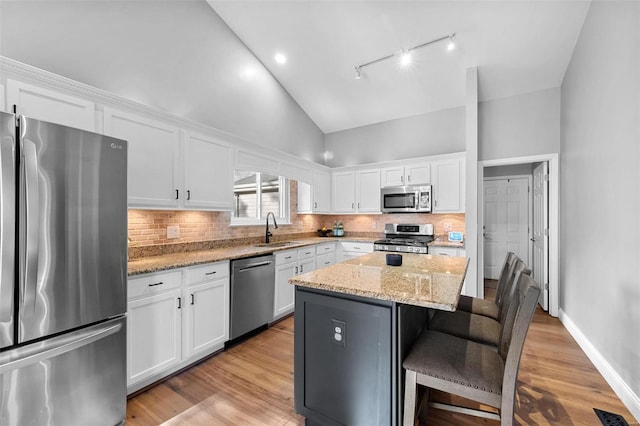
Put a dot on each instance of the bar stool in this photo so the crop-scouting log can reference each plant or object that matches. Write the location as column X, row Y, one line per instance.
column 469, row 369
column 475, row 327
column 489, row 308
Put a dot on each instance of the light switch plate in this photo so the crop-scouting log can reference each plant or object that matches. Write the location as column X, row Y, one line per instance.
column 173, row 231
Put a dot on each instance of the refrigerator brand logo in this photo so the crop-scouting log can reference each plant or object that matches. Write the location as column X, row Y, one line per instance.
column 116, row 146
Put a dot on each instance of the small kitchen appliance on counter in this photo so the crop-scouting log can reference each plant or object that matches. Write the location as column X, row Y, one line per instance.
column 405, row 238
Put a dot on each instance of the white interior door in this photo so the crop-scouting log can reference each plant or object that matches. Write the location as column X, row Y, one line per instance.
column 506, row 222
column 541, row 231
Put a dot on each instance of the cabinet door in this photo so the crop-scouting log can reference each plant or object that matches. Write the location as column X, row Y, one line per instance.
column 153, row 156
column 392, row 176
column 306, row 265
column 305, row 202
column 153, row 335
column 344, row 192
column 48, row 105
column 368, row 191
column 284, row 294
column 448, row 186
column 418, row 174
column 321, row 192
column 207, row 173
column 207, row 321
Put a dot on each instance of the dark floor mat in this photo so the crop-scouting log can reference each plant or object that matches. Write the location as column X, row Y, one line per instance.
column 610, row 419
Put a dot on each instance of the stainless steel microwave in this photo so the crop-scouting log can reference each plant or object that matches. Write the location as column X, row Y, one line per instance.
column 406, row 199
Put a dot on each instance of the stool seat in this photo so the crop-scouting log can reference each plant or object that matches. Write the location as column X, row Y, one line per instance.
column 456, row 360
column 466, row 325
column 474, row 305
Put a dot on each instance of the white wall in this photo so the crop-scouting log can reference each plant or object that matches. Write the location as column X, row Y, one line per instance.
column 600, row 188
column 178, row 56
column 520, row 126
column 440, row 132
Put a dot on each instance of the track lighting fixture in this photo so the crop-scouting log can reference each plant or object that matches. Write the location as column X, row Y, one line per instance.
column 405, row 54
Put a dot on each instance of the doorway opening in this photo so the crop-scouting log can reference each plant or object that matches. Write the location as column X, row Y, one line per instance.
column 518, row 212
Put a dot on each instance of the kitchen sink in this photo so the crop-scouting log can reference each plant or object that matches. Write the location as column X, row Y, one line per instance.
column 280, row 244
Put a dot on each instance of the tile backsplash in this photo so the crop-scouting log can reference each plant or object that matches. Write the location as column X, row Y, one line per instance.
column 149, row 227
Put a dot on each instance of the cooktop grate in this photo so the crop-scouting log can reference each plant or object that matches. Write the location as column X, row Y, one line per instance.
column 610, row 419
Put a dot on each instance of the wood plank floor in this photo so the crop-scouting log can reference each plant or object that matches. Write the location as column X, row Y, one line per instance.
column 252, row 384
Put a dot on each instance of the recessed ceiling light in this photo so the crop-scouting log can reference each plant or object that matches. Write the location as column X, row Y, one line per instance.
column 280, row 58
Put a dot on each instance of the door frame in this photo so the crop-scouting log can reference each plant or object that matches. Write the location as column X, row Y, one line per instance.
column 529, row 179
column 554, row 236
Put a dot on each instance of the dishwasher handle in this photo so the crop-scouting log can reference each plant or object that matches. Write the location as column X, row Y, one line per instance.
column 254, row 265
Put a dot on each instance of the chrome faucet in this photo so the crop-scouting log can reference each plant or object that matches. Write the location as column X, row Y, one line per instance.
column 268, row 234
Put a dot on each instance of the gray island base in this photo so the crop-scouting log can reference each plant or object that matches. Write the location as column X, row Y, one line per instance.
column 354, row 323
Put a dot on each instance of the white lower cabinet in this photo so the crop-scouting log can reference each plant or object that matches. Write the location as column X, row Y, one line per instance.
column 325, row 255
column 350, row 249
column 173, row 319
column 446, row 251
column 207, row 307
column 153, row 335
column 288, row 264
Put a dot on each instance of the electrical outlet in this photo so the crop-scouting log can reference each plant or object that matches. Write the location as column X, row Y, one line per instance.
column 446, row 226
column 173, row 232
column 374, row 225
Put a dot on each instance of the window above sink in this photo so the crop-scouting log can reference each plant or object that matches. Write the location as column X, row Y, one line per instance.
column 255, row 194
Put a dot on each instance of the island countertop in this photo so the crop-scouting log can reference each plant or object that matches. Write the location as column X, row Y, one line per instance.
column 422, row 280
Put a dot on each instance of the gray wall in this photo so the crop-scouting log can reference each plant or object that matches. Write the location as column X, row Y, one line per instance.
column 518, row 126
column 600, row 186
column 178, row 56
column 439, row 132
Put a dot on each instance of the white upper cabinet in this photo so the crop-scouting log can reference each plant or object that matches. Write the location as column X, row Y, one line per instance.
column 207, row 173
column 344, row 192
column 356, row 191
column 170, row 168
column 48, row 105
column 407, row 174
column 315, row 197
column 368, row 191
column 448, row 185
column 154, row 158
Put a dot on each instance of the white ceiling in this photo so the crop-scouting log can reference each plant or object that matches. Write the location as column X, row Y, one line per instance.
column 519, row 46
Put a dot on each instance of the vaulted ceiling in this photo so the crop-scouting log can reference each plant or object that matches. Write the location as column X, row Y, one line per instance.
column 518, row 47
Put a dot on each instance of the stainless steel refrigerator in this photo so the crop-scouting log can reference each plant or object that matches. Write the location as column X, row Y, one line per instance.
column 63, row 271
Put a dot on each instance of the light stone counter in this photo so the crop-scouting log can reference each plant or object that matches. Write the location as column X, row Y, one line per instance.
column 422, row 280
column 189, row 258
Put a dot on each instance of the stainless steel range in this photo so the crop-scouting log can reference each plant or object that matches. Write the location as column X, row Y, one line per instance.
column 405, row 238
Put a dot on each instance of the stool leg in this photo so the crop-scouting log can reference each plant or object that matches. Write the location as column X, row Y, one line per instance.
column 410, row 385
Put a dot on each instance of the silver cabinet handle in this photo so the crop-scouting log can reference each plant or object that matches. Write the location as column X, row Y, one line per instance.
column 7, row 229
column 31, row 227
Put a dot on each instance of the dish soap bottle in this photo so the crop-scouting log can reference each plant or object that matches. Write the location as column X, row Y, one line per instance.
column 338, row 229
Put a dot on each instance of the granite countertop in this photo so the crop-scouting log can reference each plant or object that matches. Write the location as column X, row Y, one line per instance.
column 422, row 280
column 163, row 262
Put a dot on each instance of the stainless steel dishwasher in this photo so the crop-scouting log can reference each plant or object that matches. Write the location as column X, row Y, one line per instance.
column 252, row 291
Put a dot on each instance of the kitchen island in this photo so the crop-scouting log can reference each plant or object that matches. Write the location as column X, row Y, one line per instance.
column 354, row 323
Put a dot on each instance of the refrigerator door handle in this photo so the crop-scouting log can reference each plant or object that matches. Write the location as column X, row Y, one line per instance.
column 7, row 228
column 31, row 230
column 42, row 351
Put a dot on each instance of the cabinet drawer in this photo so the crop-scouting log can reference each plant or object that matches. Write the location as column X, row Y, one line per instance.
column 288, row 256
column 443, row 251
column 325, row 248
column 306, row 252
column 325, row 259
column 208, row 272
column 357, row 247
column 153, row 283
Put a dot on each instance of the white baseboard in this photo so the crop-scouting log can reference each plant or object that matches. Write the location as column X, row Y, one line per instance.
column 626, row 395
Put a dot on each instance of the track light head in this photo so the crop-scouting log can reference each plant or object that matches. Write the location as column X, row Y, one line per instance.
column 358, row 75
column 451, row 44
